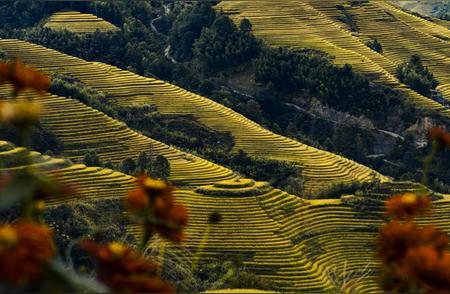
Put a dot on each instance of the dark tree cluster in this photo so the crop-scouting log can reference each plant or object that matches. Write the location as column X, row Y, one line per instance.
column 223, row 45
column 42, row 139
column 339, row 87
column 188, row 27
column 417, row 76
column 375, row 45
column 155, row 166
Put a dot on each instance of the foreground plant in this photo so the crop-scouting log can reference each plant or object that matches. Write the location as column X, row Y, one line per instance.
column 415, row 259
column 125, row 270
column 153, row 206
column 25, row 248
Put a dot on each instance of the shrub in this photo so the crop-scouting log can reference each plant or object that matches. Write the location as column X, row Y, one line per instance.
column 375, row 45
column 91, row 159
column 417, row 76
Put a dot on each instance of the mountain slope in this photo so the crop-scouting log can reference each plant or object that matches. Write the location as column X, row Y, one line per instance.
column 81, row 128
column 314, row 24
column 298, row 245
column 320, row 168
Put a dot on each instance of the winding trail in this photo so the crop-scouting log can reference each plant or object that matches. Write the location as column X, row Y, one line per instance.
column 300, row 109
column 154, row 29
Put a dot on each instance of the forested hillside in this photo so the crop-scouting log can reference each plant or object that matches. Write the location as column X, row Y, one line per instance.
column 284, row 145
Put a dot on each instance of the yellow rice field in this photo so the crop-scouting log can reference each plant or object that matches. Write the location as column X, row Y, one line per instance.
column 77, row 22
column 320, row 168
column 314, row 24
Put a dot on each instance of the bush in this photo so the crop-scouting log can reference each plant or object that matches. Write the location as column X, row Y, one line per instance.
column 312, row 73
column 101, row 220
column 375, row 45
column 337, row 190
column 91, row 159
column 417, row 76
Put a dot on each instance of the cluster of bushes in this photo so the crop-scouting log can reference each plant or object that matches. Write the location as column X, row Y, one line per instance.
column 337, row 190
column 157, row 167
column 338, row 87
column 66, row 86
column 441, row 10
column 375, row 45
column 101, row 220
column 417, row 76
column 225, row 273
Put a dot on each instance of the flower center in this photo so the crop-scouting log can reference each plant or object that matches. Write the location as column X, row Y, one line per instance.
column 409, row 198
column 8, row 237
column 116, row 249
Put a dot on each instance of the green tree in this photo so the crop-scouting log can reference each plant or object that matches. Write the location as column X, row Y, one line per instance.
column 375, row 45
column 245, row 25
column 128, row 166
column 252, row 110
column 188, row 27
column 160, row 168
column 417, row 76
column 143, row 162
column 294, row 185
column 291, row 130
column 91, row 159
column 223, row 45
column 109, row 164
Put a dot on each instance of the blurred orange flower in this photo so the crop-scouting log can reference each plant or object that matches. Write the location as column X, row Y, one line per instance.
column 22, row 77
column 407, row 205
column 440, row 136
column 24, row 249
column 431, row 267
column 137, row 200
column 125, row 270
column 396, row 238
column 155, row 202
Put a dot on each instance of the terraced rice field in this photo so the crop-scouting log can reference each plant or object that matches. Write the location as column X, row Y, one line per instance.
column 81, row 128
column 296, row 244
column 77, row 22
column 314, row 24
column 91, row 182
column 320, row 168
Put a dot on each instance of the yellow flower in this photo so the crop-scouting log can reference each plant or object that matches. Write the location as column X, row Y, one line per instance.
column 20, row 114
column 8, row 237
column 116, row 249
column 40, row 206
